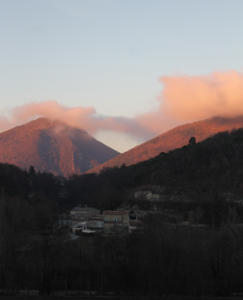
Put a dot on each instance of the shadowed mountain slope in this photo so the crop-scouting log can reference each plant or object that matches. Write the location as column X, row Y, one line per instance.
column 52, row 146
column 172, row 139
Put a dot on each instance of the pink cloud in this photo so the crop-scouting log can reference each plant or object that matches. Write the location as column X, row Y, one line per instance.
column 183, row 99
column 190, row 98
column 81, row 117
column 198, row 97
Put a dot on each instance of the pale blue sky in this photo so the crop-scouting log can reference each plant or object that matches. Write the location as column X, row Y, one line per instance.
column 110, row 53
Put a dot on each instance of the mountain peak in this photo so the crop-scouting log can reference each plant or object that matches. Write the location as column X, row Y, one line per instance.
column 45, row 123
column 53, row 146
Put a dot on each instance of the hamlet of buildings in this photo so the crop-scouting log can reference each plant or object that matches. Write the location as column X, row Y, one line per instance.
column 90, row 220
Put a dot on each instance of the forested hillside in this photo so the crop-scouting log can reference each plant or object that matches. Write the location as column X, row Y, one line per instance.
column 172, row 139
column 199, row 171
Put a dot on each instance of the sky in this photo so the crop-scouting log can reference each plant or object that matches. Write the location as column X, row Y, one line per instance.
column 118, row 67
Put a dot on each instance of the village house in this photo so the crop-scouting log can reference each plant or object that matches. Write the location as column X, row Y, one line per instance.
column 116, row 221
column 96, row 223
column 147, row 195
column 79, row 227
column 86, row 220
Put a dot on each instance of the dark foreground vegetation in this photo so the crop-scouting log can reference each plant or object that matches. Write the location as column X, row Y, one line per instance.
column 166, row 258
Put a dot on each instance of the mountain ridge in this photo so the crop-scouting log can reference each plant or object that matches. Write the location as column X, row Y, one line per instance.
column 172, row 139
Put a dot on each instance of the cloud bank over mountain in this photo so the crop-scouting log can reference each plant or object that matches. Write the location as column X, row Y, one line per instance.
column 199, row 97
column 190, row 98
column 183, row 99
column 82, row 117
